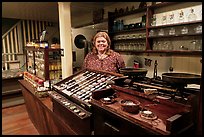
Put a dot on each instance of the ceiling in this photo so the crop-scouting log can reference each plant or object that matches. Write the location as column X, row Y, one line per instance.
column 46, row 11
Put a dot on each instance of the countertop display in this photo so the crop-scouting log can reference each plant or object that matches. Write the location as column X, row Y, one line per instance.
column 93, row 102
column 122, row 111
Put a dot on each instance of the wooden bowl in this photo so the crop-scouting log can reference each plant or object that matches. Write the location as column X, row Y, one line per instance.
column 130, row 106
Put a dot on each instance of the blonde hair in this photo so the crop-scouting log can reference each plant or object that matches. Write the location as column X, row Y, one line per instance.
column 105, row 35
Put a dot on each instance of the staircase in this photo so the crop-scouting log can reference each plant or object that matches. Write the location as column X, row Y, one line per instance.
column 15, row 39
column 14, row 56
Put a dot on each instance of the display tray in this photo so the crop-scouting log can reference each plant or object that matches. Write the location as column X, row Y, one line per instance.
column 161, row 116
column 79, row 87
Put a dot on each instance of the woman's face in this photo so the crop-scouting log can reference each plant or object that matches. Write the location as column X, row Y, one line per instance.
column 101, row 44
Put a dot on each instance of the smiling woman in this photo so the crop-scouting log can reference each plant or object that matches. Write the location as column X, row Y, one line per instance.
column 102, row 57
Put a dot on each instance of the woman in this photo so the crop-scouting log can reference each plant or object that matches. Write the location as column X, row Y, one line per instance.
column 102, row 57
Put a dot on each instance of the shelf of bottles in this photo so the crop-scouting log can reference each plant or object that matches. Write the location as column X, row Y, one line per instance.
column 158, row 28
column 44, row 62
column 128, row 33
column 180, row 30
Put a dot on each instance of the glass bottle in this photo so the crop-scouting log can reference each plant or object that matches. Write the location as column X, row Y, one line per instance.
column 198, row 29
column 159, row 47
column 116, row 11
column 161, row 32
column 164, row 19
column 200, row 14
column 142, row 4
column 155, row 47
column 144, row 20
column 171, row 18
column 121, row 25
column 196, row 45
column 133, row 8
column 127, row 9
column 151, row 33
column 172, row 31
column 181, row 16
column 170, row 46
column 192, row 16
column 184, row 30
column 153, row 23
column 115, row 26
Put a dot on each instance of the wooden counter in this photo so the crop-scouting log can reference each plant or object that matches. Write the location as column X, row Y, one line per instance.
column 52, row 117
column 172, row 118
column 41, row 113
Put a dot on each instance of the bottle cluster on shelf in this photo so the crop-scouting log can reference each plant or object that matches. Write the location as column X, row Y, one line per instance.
column 44, row 63
column 176, row 30
column 177, row 16
column 130, row 46
column 191, row 44
column 38, row 44
column 168, row 29
column 129, row 36
column 120, row 26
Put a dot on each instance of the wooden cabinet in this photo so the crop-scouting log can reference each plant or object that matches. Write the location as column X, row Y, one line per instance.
column 167, row 27
column 45, row 63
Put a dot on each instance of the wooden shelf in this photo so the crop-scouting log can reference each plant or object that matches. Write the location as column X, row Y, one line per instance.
column 149, row 40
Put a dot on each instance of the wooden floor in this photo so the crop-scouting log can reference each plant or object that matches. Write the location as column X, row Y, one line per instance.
column 15, row 121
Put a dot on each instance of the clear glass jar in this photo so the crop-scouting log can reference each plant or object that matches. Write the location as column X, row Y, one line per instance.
column 161, row 32
column 159, row 45
column 181, row 16
column 192, row 16
column 153, row 22
column 164, row 19
column 172, row 31
column 198, row 29
column 184, row 30
column 171, row 18
column 151, row 33
column 155, row 46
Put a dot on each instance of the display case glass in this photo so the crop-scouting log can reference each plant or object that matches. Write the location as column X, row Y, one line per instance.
column 45, row 63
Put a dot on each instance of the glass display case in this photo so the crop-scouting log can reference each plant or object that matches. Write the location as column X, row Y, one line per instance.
column 45, row 63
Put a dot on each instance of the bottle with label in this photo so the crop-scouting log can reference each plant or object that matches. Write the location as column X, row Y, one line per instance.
column 161, row 32
column 151, row 33
column 164, row 19
column 171, row 18
column 153, row 22
column 181, row 16
column 198, row 29
column 184, row 30
column 172, row 31
column 192, row 16
column 144, row 20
